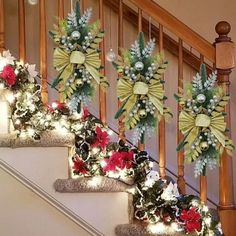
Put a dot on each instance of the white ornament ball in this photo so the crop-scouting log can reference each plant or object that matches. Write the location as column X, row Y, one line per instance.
column 111, row 56
column 139, row 66
column 32, row 2
column 75, row 35
column 201, row 98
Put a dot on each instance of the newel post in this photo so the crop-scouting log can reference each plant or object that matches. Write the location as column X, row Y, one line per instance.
column 2, row 39
column 225, row 62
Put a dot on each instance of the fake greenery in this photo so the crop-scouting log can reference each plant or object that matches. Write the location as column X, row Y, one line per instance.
column 76, row 57
column 202, row 122
column 140, row 87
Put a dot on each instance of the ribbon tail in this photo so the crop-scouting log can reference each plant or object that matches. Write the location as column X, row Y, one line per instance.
column 193, row 134
column 130, row 103
column 66, row 73
column 157, row 103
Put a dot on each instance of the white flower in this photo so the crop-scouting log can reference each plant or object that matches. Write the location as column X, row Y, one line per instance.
column 171, row 192
column 5, row 59
column 152, row 177
column 32, row 72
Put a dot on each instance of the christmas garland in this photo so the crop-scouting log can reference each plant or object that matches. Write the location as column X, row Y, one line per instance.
column 202, row 122
column 140, row 87
column 76, row 57
column 20, row 89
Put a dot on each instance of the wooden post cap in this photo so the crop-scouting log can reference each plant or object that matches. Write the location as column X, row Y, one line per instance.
column 225, row 50
column 222, row 29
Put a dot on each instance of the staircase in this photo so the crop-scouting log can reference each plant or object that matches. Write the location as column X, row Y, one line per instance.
column 29, row 165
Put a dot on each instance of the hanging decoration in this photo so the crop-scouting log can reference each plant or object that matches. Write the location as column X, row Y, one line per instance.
column 202, row 122
column 76, row 57
column 140, row 88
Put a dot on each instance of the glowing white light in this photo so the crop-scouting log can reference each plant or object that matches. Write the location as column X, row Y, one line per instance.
column 54, row 105
column 30, row 132
column 33, row 2
column 205, row 209
column 95, row 181
column 151, row 164
column 17, row 122
column 2, row 86
column 95, row 150
column 23, row 134
column 110, row 132
column 157, row 228
column 103, row 163
column 10, row 97
column 208, row 221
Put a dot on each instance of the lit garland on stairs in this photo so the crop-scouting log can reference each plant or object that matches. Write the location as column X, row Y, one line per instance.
column 202, row 122
column 76, row 57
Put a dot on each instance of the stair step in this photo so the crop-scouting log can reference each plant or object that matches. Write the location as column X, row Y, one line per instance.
column 140, row 230
column 90, row 184
column 48, row 139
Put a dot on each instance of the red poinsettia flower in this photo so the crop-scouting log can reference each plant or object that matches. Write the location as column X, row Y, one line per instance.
column 126, row 160
column 102, row 138
column 85, row 114
column 120, row 160
column 113, row 162
column 192, row 220
column 79, row 166
column 8, row 75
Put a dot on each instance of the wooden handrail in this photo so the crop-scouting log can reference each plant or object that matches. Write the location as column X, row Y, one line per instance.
column 169, row 44
column 177, row 27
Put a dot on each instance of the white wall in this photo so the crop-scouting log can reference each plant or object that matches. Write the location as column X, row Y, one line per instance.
column 24, row 213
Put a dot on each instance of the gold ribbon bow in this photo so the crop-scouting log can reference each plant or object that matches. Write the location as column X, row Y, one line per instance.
column 130, row 92
column 192, row 125
column 66, row 62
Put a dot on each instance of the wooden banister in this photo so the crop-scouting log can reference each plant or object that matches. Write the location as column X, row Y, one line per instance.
column 102, row 93
column 43, row 50
column 21, row 22
column 2, row 34
column 177, row 27
column 180, row 155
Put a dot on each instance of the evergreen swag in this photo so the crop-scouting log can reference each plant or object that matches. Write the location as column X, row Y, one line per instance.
column 76, row 57
column 140, row 88
column 202, row 122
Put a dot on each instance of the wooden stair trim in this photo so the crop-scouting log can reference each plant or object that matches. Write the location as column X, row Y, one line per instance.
column 177, row 27
column 169, row 44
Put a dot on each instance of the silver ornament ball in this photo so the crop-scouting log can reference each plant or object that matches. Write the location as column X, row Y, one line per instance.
column 75, row 35
column 111, row 56
column 139, row 66
column 33, row 2
column 201, row 98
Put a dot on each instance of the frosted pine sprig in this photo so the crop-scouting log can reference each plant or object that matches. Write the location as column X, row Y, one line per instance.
column 71, row 19
column 197, row 82
column 148, row 50
column 135, row 49
column 84, row 20
column 211, row 81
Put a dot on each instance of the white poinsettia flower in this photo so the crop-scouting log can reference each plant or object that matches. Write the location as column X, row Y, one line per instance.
column 171, row 192
column 5, row 59
column 32, row 72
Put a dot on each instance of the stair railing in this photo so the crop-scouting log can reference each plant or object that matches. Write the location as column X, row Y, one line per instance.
column 219, row 56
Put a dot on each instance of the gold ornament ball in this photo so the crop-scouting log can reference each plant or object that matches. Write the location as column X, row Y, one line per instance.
column 204, row 146
column 80, row 83
column 142, row 113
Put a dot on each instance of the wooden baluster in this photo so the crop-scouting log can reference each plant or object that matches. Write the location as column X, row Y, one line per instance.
column 2, row 32
column 21, row 23
column 203, row 178
column 82, row 5
column 141, row 146
column 225, row 61
column 61, row 15
column 121, row 125
column 161, row 126
column 180, row 154
column 43, row 51
column 102, row 93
